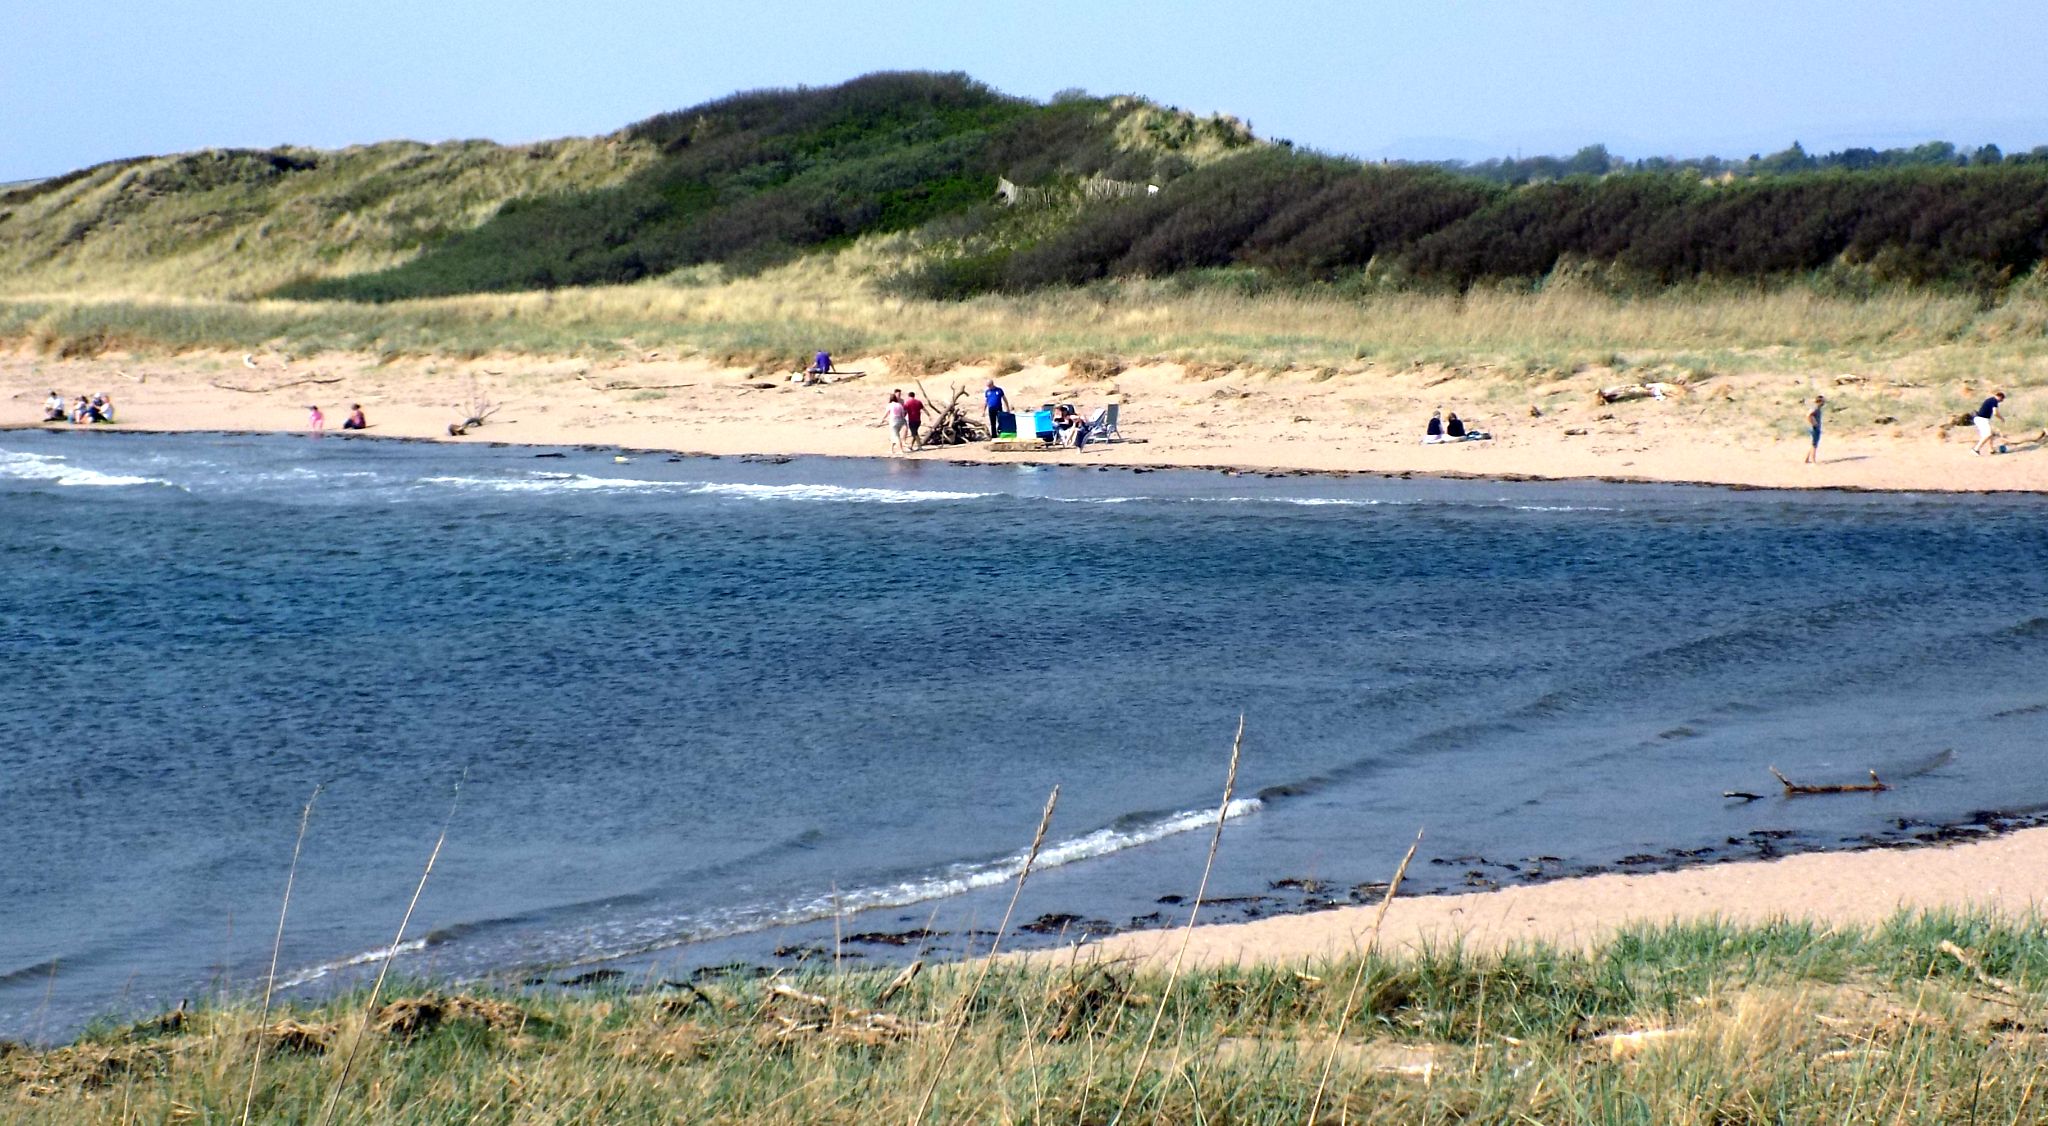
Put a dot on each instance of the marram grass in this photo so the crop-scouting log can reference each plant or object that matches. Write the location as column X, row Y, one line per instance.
column 773, row 319
column 1928, row 1018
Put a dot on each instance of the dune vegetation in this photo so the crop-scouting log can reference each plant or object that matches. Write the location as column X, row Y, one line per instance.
column 866, row 218
column 1928, row 1018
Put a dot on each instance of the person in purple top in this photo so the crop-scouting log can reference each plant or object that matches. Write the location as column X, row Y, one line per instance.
column 1985, row 416
column 821, row 364
column 997, row 403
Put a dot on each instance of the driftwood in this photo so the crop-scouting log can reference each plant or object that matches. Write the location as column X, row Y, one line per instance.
column 480, row 409
column 264, row 390
column 1795, row 789
column 1628, row 391
column 951, row 425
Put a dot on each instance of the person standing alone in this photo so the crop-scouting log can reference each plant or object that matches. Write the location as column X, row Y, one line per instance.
column 1987, row 415
column 997, row 403
column 1820, row 403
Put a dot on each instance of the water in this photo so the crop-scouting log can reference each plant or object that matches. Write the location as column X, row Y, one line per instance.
column 677, row 711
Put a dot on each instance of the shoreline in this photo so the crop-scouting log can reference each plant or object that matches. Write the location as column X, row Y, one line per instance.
column 2002, row 872
column 949, row 457
column 1735, row 432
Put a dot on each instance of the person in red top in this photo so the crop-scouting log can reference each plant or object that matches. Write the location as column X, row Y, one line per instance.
column 913, row 415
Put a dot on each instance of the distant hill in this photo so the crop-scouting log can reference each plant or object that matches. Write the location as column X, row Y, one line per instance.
column 991, row 193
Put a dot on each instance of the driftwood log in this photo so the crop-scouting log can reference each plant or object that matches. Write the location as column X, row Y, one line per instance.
column 951, row 425
column 1629, row 391
column 1796, row 789
column 264, row 390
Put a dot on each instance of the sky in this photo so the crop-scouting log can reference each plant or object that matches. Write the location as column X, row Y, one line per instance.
column 94, row 80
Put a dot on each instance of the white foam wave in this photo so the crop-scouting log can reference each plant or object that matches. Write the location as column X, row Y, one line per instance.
column 367, row 957
column 834, row 493
column 1564, row 508
column 51, row 468
column 1317, row 502
column 549, row 483
column 623, row 938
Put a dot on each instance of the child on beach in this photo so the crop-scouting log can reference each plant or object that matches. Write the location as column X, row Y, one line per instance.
column 315, row 421
column 1820, row 403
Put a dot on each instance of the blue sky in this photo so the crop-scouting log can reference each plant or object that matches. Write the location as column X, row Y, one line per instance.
column 99, row 79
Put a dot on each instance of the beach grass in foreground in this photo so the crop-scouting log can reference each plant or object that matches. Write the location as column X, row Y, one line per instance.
column 1929, row 1017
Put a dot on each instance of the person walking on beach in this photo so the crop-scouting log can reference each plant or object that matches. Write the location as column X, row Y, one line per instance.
column 315, row 421
column 913, row 417
column 997, row 403
column 897, row 420
column 1986, row 415
column 1820, row 403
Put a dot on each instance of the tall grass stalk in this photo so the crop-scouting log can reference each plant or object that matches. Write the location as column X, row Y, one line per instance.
column 391, row 955
column 1365, row 957
column 1187, row 933
column 959, row 1022
column 276, row 947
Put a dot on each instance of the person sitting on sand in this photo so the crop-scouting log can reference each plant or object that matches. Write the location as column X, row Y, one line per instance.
column 1454, row 427
column 81, row 411
column 355, row 420
column 821, row 364
column 53, row 408
column 1984, row 418
column 102, row 408
column 1434, row 432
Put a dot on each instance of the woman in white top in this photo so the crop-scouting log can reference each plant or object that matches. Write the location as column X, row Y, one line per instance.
column 899, row 423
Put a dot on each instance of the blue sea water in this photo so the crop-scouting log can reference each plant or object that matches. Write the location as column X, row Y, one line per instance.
column 679, row 711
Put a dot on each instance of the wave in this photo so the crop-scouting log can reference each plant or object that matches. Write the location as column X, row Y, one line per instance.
column 367, row 957
column 839, row 493
column 52, row 468
column 591, row 944
column 549, row 483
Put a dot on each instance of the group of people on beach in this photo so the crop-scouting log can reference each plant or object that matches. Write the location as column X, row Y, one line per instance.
column 904, row 415
column 1985, row 420
column 1452, row 429
column 316, row 420
column 87, row 409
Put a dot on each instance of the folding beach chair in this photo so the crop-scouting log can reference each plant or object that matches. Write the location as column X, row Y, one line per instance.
column 1102, row 427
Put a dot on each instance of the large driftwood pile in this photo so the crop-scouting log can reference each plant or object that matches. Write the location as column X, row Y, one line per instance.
column 952, row 426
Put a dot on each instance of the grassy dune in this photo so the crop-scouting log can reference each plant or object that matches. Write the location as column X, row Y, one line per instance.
column 227, row 224
column 1927, row 1018
column 771, row 319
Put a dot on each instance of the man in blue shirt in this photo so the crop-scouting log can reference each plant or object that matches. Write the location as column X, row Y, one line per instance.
column 1986, row 414
column 997, row 404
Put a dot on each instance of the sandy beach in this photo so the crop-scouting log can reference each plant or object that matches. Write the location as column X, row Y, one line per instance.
column 2005, row 875
column 1742, row 430
column 1739, row 431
